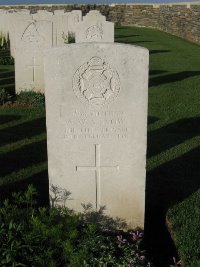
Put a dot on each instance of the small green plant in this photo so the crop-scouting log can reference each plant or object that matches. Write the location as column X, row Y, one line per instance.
column 69, row 38
column 57, row 237
column 4, row 96
column 65, row 38
column 4, row 41
column 30, row 98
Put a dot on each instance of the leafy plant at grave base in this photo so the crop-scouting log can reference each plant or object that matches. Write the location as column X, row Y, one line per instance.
column 57, row 237
column 4, row 96
column 71, row 37
column 65, row 38
column 4, row 44
column 30, row 98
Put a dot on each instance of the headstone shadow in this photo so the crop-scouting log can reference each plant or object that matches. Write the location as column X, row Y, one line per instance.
column 152, row 119
column 122, row 36
column 171, row 135
column 159, row 51
column 135, row 41
column 7, row 80
column 22, row 131
column 167, row 185
column 156, row 72
column 6, row 74
column 174, row 77
column 8, row 118
column 22, row 158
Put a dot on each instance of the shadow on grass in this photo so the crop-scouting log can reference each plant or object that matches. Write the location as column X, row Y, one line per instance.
column 8, row 118
column 156, row 72
column 167, row 185
column 8, row 80
column 27, row 156
column 152, row 119
column 169, row 78
column 25, row 130
column 134, row 42
column 121, row 36
column 159, row 51
column 39, row 181
column 6, row 73
column 172, row 135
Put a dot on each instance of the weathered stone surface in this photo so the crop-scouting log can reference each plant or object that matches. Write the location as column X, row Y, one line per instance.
column 94, row 28
column 15, row 31
column 58, row 28
column 33, row 38
column 73, row 19
column 43, row 15
column 96, row 107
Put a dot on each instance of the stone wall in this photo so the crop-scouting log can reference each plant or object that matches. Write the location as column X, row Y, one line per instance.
column 181, row 19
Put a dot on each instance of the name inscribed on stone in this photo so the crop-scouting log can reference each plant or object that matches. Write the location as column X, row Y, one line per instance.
column 105, row 124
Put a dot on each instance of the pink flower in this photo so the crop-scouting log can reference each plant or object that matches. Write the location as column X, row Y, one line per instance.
column 177, row 263
column 136, row 235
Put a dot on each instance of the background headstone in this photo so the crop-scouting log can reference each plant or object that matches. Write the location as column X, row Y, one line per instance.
column 94, row 28
column 58, row 27
column 4, row 30
column 73, row 19
column 15, row 20
column 34, row 37
column 96, row 105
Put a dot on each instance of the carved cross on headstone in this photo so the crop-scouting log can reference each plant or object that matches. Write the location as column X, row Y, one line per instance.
column 33, row 66
column 97, row 169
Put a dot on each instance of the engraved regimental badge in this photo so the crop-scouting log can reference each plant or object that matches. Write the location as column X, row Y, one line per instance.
column 94, row 33
column 96, row 83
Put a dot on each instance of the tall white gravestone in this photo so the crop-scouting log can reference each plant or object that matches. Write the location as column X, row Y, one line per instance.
column 94, row 28
column 96, row 107
column 33, row 36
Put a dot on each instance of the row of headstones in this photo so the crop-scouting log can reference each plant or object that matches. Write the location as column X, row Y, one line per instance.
column 96, row 110
column 96, row 95
column 31, row 34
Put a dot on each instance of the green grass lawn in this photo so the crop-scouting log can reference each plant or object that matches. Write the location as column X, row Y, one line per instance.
column 173, row 164
column 173, row 156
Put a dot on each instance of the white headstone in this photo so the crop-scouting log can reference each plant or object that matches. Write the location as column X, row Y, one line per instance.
column 73, row 19
column 43, row 15
column 4, row 26
column 14, row 21
column 58, row 28
column 94, row 28
column 34, row 37
column 96, row 107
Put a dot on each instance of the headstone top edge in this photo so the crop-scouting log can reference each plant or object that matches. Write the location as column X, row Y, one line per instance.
column 95, row 44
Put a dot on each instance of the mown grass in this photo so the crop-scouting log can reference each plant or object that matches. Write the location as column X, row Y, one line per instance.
column 173, row 156
column 173, row 169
